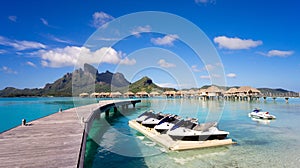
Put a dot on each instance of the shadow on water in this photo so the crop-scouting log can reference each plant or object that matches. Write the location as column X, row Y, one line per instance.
column 97, row 155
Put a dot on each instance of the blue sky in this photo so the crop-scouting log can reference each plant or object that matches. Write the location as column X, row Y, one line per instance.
column 258, row 42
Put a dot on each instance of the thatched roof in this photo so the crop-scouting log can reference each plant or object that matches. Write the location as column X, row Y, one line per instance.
column 142, row 93
column 231, row 91
column 154, row 93
column 172, row 92
column 104, row 94
column 83, row 94
column 247, row 89
column 128, row 93
column 95, row 94
column 116, row 94
column 201, row 90
column 213, row 89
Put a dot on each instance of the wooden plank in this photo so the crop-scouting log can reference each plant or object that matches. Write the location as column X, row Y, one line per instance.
column 52, row 141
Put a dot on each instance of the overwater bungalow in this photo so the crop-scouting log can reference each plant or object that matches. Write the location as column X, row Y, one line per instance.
column 247, row 92
column 169, row 93
column 129, row 94
column 180, row 93
column 95, row 94
column 104, row 94
column 201, row 92
column 142, row 94
column 115, row 95
column 154, row 94
column 84, row 95
column 211, row 92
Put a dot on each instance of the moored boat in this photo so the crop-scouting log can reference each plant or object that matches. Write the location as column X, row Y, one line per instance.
column 167, row 123
column 191, row 131
column 259, row 114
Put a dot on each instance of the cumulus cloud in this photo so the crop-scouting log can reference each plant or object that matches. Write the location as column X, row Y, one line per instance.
column 8, row 70
column 72, row 55
column 166, row 40
column 141, row 29
column 163, row 63
column 30, row 64
column 21, row 45
column 12, row 18
column 236, row 43
column 277, row 53
column 231, row 75
column 100, row 18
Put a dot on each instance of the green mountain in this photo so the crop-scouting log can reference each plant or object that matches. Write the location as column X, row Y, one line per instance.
column 86, row 80
column 146, row 84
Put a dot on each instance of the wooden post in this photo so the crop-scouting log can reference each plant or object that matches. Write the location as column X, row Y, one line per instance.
column 23, row 122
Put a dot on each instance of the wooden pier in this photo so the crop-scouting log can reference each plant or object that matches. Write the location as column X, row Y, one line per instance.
column 57, row 140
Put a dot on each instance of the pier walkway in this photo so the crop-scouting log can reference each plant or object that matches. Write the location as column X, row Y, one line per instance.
column 57, row 140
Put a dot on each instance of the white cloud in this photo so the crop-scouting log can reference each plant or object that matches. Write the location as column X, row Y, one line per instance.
column 209, row 67
column 236, row 43
column 44, row 21
column 72, row 55
column 231, row 75
column 205, row 1
column 100, row 18
column 195, row 68
column 59, row 39
column 8, row 70
column 277, row 53
column 21, row 45
column 166, row 40
column 208, row 77
column 2, row 51
column 141, row 29
column 205, row 77
column 127, row 61
column 30, row 64
column 167, row 85
column 12, row 18
column 163, row 63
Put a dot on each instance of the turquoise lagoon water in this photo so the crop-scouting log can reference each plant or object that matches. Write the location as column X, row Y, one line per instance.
column 114, row 144
column 13, row 110
column 259, row 143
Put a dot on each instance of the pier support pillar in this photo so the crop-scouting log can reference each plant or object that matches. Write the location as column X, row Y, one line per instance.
column 107, row 113
column 274, row 99
column 115, row 109
column 287, row 100
column 265, row 98
column 123, row 107
column 133, row 104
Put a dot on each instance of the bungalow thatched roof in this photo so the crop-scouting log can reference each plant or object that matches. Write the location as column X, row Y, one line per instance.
column 142, row 93
column 247, row 89
column 154, row 93
column 128, row 93
column 231, row 91
column 213, row 89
